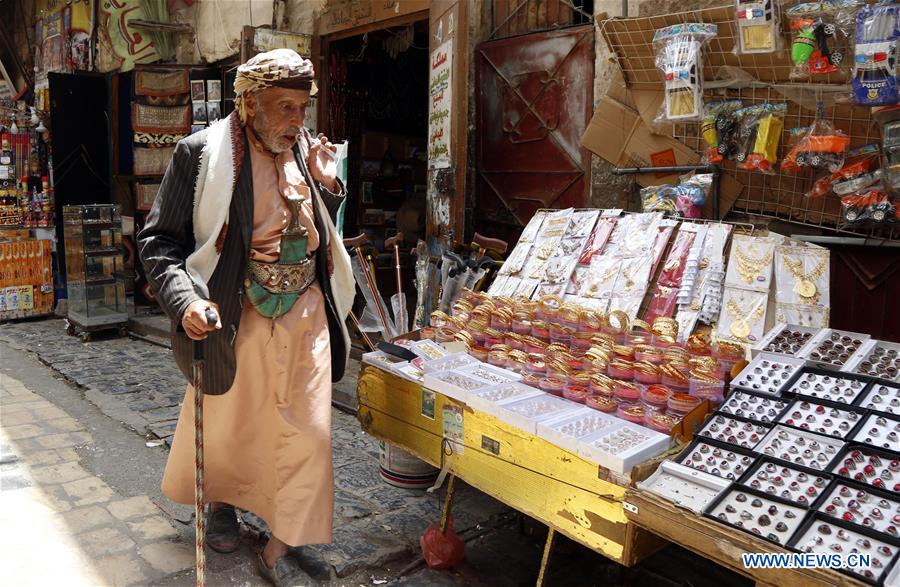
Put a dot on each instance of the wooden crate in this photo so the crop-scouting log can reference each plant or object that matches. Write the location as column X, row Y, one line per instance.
column 525, row 472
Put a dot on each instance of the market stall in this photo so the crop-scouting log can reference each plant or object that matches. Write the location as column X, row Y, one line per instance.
column 596, row 354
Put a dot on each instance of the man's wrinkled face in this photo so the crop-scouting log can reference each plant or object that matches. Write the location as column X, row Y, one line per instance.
column 277, row 115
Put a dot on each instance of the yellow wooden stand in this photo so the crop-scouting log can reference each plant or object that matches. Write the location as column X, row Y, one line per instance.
column 527, row 473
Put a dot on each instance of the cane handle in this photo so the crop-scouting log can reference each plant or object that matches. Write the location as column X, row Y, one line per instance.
column 494, row 244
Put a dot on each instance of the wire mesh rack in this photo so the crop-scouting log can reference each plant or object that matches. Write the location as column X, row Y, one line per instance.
column 754, row 79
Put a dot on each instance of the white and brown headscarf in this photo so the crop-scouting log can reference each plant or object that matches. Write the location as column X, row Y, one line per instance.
column 283, row 68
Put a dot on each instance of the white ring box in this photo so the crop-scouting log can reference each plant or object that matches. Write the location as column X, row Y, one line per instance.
column 881, row 397
column 826, row 334
column 854, row 365
column 717, row 458
column 854, row 461
column 647, row 444
column 568, row 430
column 829, row 386
column 684, row 486
column 779, row 440
column 728, row 428
column 428, row 349
column 490, row 399
column 775, row 331
column 822, row 418
column 787, row 481
column 778, row 371
column 442, row 382
column 449, row 362
column 758, row 407
column 841, row 493
column 526, row 413
column 874, row 430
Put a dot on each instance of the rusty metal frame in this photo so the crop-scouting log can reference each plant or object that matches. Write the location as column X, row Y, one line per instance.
column 514, row 12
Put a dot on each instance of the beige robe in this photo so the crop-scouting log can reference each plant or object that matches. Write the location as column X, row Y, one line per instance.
column 267, row 441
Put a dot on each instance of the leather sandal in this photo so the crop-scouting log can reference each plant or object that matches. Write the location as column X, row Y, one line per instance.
column 222, row 530
column 312, row 562
column 285, row 573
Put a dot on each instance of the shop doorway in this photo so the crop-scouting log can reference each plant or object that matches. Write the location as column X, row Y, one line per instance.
column 377, row 100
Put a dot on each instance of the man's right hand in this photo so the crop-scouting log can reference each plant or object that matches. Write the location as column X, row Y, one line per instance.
column 194, row 319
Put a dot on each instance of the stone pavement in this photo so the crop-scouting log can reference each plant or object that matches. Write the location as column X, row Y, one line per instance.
column 62, row 524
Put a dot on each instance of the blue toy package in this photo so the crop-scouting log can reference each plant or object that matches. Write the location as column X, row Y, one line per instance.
column 874, row 80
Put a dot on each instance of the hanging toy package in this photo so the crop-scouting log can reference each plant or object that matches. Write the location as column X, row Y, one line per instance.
column 890, row 146
column 874, row 79
column 822, row 148
column 861, row 169
column 820, row 36
column 871, row 206
column 683, row 200
column 759, row 136
column 720, row 130
column 758, row 25
column 678, row 55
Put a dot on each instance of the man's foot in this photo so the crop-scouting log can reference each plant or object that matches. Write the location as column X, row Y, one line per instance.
column 286, row 572
column 222, row 531
column 312, row 562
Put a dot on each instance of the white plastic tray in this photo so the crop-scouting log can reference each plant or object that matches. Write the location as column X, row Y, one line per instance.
column 684, row 486
column 864, row 354
column 830, row 387
column 773, row 333
column 776, row 378
column 490, row 399
column 825, row 334
column 568, row 430
column 648, row 443
column 490, row 374
column 454, row 361
column 888, row 395
column 440, row 382
column 829, row 447
column 820, row 418
column 526, row 413
column 428, row 349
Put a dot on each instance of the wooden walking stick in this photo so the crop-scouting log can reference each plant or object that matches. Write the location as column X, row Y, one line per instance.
column 401, row 315
column 356, row 244
column 200, row 520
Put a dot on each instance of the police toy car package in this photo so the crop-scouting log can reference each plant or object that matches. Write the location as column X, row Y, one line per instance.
column 820, row 36
column 678, row 56
column 759, row 26
column 874, row 80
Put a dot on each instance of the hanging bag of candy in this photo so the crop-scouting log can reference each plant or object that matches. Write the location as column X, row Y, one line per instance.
column 759, row 136
column 874, row 81
column 820, row 36
column 678, row 55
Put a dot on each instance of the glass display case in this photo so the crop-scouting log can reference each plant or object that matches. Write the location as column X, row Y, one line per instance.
column 94, row 269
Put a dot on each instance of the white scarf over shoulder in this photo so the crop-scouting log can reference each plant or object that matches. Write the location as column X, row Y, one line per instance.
column 216, row 182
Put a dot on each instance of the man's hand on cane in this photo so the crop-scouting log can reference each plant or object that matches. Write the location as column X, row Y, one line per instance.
column 195, row 322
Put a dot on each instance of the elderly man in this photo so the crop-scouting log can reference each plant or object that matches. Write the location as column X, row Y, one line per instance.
column 244, row 224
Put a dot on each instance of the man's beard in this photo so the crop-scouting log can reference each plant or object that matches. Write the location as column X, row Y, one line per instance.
column 262, row 128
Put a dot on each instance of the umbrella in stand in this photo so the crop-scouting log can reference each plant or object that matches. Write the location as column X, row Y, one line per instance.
column 479, row 262
column 425, row 264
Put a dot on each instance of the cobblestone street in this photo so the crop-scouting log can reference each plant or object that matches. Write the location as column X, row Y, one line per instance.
column 83, row 443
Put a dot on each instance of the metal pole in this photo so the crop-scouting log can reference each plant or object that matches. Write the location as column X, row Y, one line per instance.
column 545, row 560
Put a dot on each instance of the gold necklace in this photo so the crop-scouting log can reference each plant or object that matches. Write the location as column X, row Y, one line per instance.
column 749, row 267
column 740, row 322
column 806, row 286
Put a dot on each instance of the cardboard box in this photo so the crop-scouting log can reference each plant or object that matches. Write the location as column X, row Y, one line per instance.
column 622, row 136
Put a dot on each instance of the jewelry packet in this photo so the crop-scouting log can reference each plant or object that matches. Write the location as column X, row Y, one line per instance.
column 516, row 260
column 582, row 223
column 601, row 279
column 599, row 238
column 802, row 275
column 533, row 227
column 743, row 316
column 802, row 315
column 750, row 263
column 555, row 223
